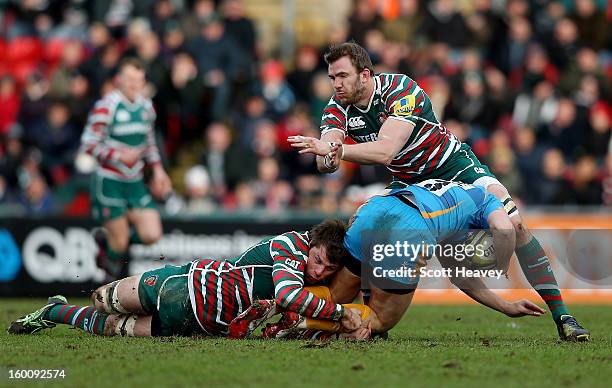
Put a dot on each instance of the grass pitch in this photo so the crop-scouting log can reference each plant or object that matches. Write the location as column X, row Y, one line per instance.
column 432, row 346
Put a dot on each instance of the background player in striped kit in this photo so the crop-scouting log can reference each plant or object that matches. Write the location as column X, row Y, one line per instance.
column 120, row 135
column 202, row 297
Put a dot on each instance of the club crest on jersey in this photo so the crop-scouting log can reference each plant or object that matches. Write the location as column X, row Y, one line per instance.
column 404, row 106
column 356, row 122
column 122, row 115
column 151, row 280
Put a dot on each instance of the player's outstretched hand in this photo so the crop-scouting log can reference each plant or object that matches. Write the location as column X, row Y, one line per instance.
column 160, row 185
column 523, row 307
column 351, row 319
column 311, row 145
column 363, row 333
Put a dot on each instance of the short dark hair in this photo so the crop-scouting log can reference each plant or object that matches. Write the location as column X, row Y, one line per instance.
column 330, row 234
column 131, row 61
column 358, row 55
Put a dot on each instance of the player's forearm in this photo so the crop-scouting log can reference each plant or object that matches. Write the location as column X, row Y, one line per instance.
column 309, row 305
column 476, row 289
column 101, row 152
column 376, row 152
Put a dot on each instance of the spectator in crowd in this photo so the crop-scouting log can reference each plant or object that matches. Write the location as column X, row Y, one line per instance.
column 201, row 12
column 275, row 90
column 220, row 62
column 240, row 27
column 36, row 198
column 362, row 20
column 226, row 161
column 197, row 183
column 34, row 101
column 528, row 159
column 404, row 27
column 550, row 188
column 567, row 130
column 564, row 44
column 444, row 24
column 585, row 188
column 71, row 59
column 301, row 78
column 183, row 97
column 599, row 142
column 58, row 141
column 9, row 103
column 164, row 13
column 591, row 23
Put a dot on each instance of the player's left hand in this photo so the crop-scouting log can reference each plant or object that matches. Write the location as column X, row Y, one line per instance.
column 160, row 185
column 351, row 319
column 362, row 333
column 312, row 145
column 523, row 307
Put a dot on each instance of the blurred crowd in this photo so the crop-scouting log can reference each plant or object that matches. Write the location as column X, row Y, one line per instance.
column 526, row 83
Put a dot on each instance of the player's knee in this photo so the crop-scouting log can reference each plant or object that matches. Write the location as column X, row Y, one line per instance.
column 501, row 222
column 120, row 325
column 118, row 243
column 124, row 326
column 150, row 236
column 106, row 299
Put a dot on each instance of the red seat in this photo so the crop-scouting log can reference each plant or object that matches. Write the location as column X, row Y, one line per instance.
column 24, row 49
column 53, row 50
column 21, row 70
column 3, row 46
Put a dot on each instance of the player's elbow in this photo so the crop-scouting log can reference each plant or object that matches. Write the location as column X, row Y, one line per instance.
column 387, row 155
column 386, row 159
column 499, row 220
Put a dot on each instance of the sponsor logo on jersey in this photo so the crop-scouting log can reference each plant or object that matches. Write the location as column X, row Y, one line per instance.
column 151, row 280
column 129, row 129
column 404, row 106
column 365, row 138
column 122, row 115
column 356, row 122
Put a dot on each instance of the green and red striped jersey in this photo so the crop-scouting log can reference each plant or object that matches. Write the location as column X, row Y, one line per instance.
column 116, row 123
column 396, row 97
column 272, row 269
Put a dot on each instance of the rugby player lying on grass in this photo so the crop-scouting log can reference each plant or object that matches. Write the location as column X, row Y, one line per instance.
column 425, row 214
column 202, row 297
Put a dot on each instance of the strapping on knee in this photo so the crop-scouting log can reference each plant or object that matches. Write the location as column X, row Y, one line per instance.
column 509, row 206
column 109, row 299
column 125, row 325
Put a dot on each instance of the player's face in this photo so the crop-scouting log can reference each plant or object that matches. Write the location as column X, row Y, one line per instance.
column 131, row 82
column 349, row 85
column 318, row 266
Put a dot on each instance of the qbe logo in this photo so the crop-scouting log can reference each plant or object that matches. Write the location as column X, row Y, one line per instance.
column 50, row 256
column 356, row 122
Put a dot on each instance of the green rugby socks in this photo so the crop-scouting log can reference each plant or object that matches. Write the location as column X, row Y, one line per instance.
column 536, row 267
